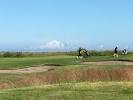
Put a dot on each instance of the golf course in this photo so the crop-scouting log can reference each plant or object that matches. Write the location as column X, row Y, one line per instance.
column 66, row 49
column 66, row 77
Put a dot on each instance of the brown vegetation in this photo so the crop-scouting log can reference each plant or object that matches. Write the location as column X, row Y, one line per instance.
column 90, row 75
column 71, row 75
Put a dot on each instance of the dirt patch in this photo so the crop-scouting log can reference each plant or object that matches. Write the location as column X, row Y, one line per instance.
column 110, row 63
column 29, row 70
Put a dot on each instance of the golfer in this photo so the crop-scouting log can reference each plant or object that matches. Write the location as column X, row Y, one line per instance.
column 116, row 52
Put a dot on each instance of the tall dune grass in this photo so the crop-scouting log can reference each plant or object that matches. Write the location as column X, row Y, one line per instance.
column 89, row 75
column 70, row 75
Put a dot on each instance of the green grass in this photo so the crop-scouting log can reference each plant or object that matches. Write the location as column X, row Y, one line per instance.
column 8, row 63
column 72, row 91
column 62, row 60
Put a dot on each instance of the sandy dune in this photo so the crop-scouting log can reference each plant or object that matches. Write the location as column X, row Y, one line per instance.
column 44, row 68
column 28, row 70
column 110, row 63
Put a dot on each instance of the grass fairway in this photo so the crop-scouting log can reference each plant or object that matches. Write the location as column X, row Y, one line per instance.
column 9, row 63
column 64, row 60
column 71, row 78
column 72, row 91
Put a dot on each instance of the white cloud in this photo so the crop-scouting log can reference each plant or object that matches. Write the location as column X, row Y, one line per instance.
column 101, row 46
column 54, row 44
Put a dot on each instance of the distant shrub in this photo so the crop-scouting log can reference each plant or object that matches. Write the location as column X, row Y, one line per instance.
column 107, row 53
column 101, row 53
column 71, row 53
column 18, row 54
column 7, row 54
column 13, row 54
column 94, row 53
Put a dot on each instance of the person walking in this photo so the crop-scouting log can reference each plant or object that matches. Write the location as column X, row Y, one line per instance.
column 116, row 52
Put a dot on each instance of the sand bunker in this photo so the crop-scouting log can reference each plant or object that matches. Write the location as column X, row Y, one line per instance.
column 29, row 70
column 44, row 68
column 110, row 63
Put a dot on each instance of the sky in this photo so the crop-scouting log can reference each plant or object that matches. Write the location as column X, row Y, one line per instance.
column 65, row 24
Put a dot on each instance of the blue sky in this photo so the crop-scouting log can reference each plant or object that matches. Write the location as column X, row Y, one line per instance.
column 65, row 24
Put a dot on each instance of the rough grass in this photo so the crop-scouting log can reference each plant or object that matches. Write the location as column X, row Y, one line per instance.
column 72, row 91
column 64, row 76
